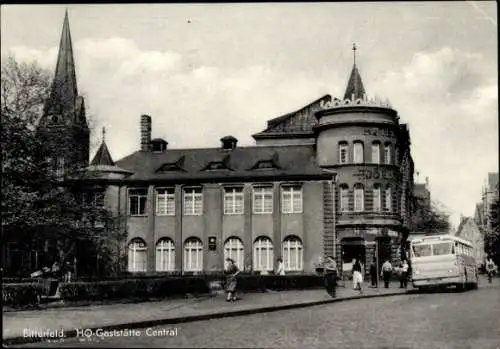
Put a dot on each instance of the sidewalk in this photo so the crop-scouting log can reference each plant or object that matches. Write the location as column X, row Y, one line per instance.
column 140, row 315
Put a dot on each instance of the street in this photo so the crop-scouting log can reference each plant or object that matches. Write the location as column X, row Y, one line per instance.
column 432, row 320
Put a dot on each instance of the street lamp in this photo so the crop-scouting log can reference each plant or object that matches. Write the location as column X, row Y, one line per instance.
column 334, row 210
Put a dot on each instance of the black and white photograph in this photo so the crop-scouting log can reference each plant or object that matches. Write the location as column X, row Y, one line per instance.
column 250, row 175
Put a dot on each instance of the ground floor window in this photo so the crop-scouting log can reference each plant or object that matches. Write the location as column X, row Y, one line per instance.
column 263, row 256
column 137, row 256
column 165, row 255
column 233, row 248
column 293, row 254
column 193, row 255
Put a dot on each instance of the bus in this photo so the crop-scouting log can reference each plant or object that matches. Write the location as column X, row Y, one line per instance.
column 442, row 261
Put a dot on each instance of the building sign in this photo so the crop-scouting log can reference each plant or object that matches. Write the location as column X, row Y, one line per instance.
column 384, row 132
column 376, row 173
column 212, row 243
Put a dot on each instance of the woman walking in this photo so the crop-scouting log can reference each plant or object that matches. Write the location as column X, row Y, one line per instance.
column 231, row 282
column 357, row 276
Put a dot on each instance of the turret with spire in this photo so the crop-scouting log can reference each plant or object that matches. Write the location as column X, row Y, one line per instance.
column 102, row 156
column 355, row 89
column 63, row 125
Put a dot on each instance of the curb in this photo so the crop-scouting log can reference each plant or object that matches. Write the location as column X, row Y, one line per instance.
column 201, row 317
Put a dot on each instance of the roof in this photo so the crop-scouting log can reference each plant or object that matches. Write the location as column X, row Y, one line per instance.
column 102, row 156
column 354, row 86
column 299, row 121
column 242, row 163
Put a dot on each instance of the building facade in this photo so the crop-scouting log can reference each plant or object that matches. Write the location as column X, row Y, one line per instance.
column 332, row 178
column 469, row 231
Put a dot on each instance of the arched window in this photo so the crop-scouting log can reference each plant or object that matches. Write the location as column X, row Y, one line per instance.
column 376, row 152
column 359, row 198
column 165, row 255
column 137, row 256
column 387, row 153
column 376, row 198
column 193, row 255
column 263, row 254
column 233, row 248
column 358, row 152
column 293, row 254
column 343, row 153
column 344, row 197
column 388, row 200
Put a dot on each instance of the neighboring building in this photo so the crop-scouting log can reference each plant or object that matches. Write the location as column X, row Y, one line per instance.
column 483, row 208
column 422, row 194
column 332, row 178
column 469, row 230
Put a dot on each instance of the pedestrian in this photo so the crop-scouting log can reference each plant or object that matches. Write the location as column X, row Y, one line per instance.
column 280, row 269
column 386, row 272
column 357, row 276
column 373, row 273
column 231, row 282
column 330, row 276
column 491, row 268
column 404, row 275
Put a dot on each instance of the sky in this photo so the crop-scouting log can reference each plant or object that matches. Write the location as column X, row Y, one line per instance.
column 204, row 71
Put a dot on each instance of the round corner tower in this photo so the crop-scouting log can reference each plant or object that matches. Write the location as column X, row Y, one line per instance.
column 361, row 140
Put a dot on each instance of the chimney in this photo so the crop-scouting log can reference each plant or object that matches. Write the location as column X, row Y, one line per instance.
column 145, row 133
column 228, row 142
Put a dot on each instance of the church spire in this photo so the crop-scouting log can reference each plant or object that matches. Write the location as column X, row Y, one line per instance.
column 355, row 89
column 64, row 92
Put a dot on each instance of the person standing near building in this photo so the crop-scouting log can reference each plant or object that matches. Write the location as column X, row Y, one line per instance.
column 491, row 268
column 231, row 282
column 404, row 275
column 357, row 276
column 330, row 272
column 280, row 269
column 373, row 273
column 386, row 272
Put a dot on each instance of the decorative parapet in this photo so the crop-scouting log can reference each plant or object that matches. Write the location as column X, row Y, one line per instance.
column 365, row 101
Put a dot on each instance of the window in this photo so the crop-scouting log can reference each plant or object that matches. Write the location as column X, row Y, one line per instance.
column 396, row 155
column 263, row 254
column 358, row 152
column 193, row 255
column 233, row 248
column 343, row 159
column 376, row 198
column 344, row 198
column 233, row 201
column 293, row 254
column 291, row 199
column 137, row 202
column 388, row 200
column 93, row 199
column 137, row 256
column 387, row 154
column 442, row 248
column 422, row 250
column 358, row 198
column 263, row 200
column 165, row 255
column 165, row 202
column 60, row 169
column 193, row 202
column 376, row 153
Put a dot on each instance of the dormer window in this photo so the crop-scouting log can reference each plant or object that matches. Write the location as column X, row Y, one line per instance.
column 172, row 166
column 265, row 164
column 216, row 166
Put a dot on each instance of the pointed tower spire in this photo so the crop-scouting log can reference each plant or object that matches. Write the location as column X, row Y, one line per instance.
column 355, row 88
column 102, row 156
column 64, row 92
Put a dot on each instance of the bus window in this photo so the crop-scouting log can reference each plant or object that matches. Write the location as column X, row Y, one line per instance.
column 422, row 250
column 453, row 249
column 441, row 248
